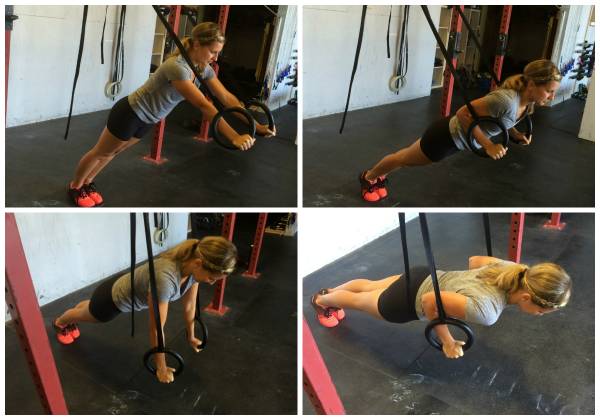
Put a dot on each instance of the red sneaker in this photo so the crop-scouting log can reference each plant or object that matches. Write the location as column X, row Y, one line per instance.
column 62, row 334
column 73, row 330
column 381, row 186
column 80, row 197
column 324, row 315
column 338, row 313
column 368, row 188
column 93, row 193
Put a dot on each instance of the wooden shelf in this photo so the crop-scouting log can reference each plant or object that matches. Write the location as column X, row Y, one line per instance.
column 444, row 31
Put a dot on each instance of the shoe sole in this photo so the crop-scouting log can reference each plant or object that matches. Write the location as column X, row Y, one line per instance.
column 74, row 204
column 362, row 193
column 54, row 327
column 328, row 326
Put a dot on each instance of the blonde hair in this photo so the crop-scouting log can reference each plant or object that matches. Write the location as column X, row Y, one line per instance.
column 205, row 33
column 548, row 284
column 539, row 72
column 218, row 255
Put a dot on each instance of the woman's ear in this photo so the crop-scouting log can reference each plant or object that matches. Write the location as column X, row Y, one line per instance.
column 530, row 84
column 525, row 297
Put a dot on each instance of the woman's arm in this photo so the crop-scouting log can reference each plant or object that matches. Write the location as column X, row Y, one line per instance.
column 193, row 95
column 521, row 137
column 189, row 310
column 466, row 119
column 477, row 261
column 163, row 309
column 229, row 100
column 455, row 306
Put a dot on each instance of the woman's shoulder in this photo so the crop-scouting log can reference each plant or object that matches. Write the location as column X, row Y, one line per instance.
column 175, row 63
column 504, row 95
column 166, row 267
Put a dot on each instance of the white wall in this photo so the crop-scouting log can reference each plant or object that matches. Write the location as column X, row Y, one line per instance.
column 330, row 34
column 587, row 129
column 281, row 56
column 43, row 57
column 328, row 234
column 573, row 29
column 68, row 251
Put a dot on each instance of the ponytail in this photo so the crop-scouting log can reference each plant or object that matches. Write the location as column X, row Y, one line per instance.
column 516, row 82
column 548, row 284
column 539, row 72
column 218, row 255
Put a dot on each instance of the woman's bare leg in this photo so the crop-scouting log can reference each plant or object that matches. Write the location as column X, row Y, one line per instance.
column 359, row 294
column 409, row 156
column 363, row 301
column 364, row 285
column 80, row 313
column 100, row 165
column 101, row 153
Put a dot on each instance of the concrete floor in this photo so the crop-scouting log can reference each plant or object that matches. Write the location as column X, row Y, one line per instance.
column 520, row 365
column 40, row 163
column 249, row 365
column 556, row 170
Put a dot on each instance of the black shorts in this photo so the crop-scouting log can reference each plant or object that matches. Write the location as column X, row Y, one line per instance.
column 437, row 142
column 123, row 123
column 394, row 305
column 102, row 306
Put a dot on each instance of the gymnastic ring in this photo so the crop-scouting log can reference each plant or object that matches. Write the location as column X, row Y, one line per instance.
column 472, row 142
column 155, row 350
column 219, row 138
column 449, row 321
column 109, row 87
column 266, row 110
column 528, row 129
column 394, row 80
column 204, row 331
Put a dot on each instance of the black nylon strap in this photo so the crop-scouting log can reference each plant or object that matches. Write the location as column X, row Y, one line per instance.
column 120, row 53
column 403, row 62
column 132, row 269
column 402, row 219
column 431, row 262
column 153, row 288
column 388, row 33
column 79, row 55
column 102, row 38
column 356, row 56
column 488, row 236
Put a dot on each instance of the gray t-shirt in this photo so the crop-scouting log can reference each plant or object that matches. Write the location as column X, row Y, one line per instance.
column 168, row 278
column 485, row 303
column 502, row 104
column 156, row 98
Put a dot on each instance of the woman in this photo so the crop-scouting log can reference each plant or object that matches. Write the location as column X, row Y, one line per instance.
column 178, row 272
column 513, row 101
column 478, row 295
column 133, row 116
